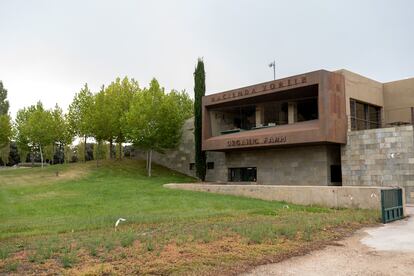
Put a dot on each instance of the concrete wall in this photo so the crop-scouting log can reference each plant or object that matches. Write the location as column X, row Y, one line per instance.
column 334, row 197
column 362, row 89
column 398, row 100
column 380, row 157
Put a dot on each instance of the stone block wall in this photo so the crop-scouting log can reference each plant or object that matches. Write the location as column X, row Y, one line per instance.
column 380, row 157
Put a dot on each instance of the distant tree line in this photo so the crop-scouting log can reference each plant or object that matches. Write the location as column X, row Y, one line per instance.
column 119, row 113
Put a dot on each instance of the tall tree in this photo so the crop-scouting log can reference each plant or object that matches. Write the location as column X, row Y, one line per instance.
column 5, row 125
column 4, row 103
column 80, row 115
column 154, row 121
column 101, row 123
column 199, row 92
column 5, row 136
column 62, row 134
column 35, row 127
column 117, row 100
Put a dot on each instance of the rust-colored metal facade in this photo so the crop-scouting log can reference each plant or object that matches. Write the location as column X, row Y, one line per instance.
column 330, row 127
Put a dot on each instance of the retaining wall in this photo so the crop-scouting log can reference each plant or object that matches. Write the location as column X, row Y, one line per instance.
column 328, row 196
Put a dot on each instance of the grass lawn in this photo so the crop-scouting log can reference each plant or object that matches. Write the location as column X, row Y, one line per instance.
column 65, row 224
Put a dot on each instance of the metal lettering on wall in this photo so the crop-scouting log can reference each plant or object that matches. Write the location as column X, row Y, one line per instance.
column 256, row 141
column 262, row 88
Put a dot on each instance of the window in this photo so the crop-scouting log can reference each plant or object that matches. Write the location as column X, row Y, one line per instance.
column 364, row 116
column 243, row 174
column 336, row 173
column 210, row 165
column 191, row 166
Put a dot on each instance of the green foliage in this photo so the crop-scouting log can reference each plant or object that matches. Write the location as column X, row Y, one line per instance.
column 68, row 259
column 6, row 130
column 101, row 151
column 4, row 104
column 69, row 153
column 62, row 134
column 80, row 152
column 48, row 152
column 199, row 92
column 119, row 94
column 5, row 137
column 11, row 266
column 119, row 151
column 80, row 113
column 185, row 103
column 110, row 106
column 154, row 121
column 41, row 129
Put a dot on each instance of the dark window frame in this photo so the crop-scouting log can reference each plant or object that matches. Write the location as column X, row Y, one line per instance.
column 245, row 174
column 367, row 121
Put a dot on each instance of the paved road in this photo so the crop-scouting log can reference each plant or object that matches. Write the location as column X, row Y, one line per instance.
column 379, row 251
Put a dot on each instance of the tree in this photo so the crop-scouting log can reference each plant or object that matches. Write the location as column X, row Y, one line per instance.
column 199, row 92
column 101, row 123
column 80, row 115
column 4, row 104
column 5, row 125
column 61, row 131
column 186, row 104
column 154, row 121
column 6, row 130
column 22, row 141
column 35, row 128
column 5, row 137
column 117, row 97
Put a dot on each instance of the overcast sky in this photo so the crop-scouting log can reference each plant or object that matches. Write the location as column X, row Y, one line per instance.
column 49, row 49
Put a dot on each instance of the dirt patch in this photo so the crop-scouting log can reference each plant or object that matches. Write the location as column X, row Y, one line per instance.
column 229, row 255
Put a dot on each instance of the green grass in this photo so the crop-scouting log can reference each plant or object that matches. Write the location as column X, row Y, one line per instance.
column 60, row 218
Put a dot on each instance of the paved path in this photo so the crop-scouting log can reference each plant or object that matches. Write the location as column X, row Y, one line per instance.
column 384, row 250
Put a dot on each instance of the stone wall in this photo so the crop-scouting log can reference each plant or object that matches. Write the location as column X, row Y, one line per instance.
column 380, row 157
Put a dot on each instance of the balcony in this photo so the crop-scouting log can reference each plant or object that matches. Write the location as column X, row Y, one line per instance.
column 302, row 109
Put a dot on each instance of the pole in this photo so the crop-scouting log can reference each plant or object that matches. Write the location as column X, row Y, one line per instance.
column 274, row 70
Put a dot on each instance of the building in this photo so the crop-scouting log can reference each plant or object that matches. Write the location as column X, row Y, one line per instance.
column 318, row 128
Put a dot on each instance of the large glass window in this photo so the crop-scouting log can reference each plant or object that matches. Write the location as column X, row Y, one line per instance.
column 364, row 116
column 289, row 107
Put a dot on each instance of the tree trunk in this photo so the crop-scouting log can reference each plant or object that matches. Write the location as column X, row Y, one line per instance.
column 120, row 151
column 149, row 163
column 41, row 155
column 98, row 153
column 110, row 149
column 84, row 149
column 53, row 154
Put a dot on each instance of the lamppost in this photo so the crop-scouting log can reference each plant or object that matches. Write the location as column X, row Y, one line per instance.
column 273, row 64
